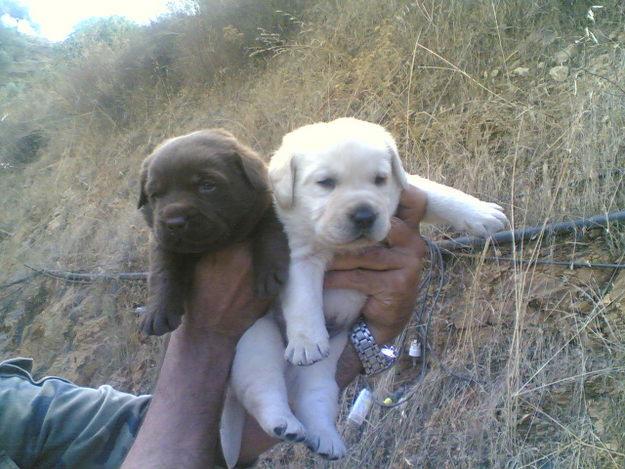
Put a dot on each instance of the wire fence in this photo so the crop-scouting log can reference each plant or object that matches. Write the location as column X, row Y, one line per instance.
column 448, row 247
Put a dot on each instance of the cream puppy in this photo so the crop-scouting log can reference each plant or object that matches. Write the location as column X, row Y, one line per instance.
column 336, row 186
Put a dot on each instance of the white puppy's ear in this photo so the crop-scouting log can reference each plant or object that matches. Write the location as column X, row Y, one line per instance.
column 282, row 174
column 396, row 165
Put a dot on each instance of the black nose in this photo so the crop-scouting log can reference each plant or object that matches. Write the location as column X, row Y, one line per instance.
column 363, row 217
column 176, row 222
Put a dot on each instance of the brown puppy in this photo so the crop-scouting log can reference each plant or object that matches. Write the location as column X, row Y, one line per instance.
column 199, row 193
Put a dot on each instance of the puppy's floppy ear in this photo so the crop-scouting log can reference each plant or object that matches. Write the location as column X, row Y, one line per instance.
column 144, row 204
column 145, row 166
column 396, row 165
column 254, row 169
column 282, row 173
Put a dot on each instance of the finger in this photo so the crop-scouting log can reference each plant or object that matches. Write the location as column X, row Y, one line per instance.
column 373, row 258
column 368, row 282
column 412, row 206
column 400, row 234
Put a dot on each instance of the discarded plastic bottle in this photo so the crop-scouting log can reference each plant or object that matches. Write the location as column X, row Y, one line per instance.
column 360, row 409
column 414, row 351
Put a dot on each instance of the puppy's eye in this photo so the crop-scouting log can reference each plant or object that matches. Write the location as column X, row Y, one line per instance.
column 206, row 187
column 328, row 183
column 380, row 180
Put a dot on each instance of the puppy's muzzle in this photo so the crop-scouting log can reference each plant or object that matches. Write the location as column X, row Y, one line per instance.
column 176, row 223
column 182, row 228
column 175, row 218
column 363, row 218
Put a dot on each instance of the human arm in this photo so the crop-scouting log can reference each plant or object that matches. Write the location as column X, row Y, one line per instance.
column 181, row 427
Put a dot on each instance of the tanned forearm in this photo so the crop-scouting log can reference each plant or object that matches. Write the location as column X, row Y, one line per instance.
column 181, row 427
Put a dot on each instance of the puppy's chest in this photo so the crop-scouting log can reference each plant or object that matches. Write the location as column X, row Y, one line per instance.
column 341, row 308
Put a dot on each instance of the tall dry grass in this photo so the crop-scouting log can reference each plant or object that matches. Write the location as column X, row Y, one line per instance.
column 542, row 346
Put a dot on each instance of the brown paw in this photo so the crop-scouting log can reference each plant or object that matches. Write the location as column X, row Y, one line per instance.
column 159, row 321
column 269, row 281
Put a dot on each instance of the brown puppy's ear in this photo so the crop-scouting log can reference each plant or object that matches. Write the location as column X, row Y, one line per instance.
column 143, row 179
column 144, row 203
column 254, row 169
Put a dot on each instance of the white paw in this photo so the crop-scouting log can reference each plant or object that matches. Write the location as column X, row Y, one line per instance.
column 326, row 443
column 283, row 426
column 304, row 350
column 479, row 218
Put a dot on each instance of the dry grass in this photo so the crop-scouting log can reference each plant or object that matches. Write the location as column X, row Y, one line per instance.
column 545, row 346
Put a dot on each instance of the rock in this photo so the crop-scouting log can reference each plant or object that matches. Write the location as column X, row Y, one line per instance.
column 546, row 38
column 494, row 73
column 565, row 54
column 521, row 72
column 559, row 73
column 601, row 64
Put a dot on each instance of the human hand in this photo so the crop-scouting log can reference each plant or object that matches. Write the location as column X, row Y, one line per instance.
column 412, row 206
column 222, row 298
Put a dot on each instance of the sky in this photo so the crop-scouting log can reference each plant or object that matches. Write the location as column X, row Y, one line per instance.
column 55, row 19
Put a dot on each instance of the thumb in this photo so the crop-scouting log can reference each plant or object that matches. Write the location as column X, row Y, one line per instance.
column 412, row 206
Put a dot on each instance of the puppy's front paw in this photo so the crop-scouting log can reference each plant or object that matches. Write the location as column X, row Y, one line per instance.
column 480, row 218
column 305, row 350
column 269, row 279
column 159, row 320
column 326, row 443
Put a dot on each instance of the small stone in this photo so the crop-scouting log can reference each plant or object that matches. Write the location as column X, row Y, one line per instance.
column 565, row 54
column 559, row 73
column 521, row 71
column 494, row 73
column 545, row 38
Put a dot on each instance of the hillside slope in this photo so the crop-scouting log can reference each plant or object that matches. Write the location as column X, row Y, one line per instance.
column 517, row 102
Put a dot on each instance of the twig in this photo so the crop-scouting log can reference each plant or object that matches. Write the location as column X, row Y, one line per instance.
column 612, row 82
column 25, row 278
column 570, row 378
column 89, row 277
column 459, row 376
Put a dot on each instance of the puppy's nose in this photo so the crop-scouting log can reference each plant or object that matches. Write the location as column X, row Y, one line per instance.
column 176, row 222
column 363, row 217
